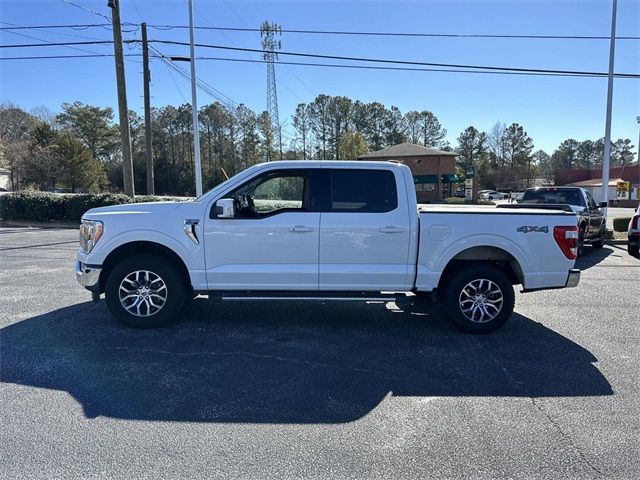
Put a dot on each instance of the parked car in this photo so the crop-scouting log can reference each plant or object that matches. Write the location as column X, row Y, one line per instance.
column 493, row 195
column 633, row 234
column 592, row 227
column 320, row 229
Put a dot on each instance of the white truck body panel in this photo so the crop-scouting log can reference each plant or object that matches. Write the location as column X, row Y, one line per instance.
column 400, row 250
column 449, row 231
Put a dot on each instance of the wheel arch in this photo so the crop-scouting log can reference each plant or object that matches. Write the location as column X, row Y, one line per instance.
column 142, row 246
column 494, row 256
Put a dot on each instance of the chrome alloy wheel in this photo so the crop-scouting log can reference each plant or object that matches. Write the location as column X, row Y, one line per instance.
column 481, row 300
column 142, row 293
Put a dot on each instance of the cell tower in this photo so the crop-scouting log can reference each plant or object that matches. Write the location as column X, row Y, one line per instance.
column 270, row 47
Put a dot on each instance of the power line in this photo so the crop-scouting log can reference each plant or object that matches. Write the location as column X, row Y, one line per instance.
column 401, row 62
column 339, row 57
column 62, row 44
column 409, row 69
column 53, row 57
column 278, row 81
column 52, row 31
column 334, row 65
column 87, row 10
column 47, row 41
column 345, row 32
column 204, row 86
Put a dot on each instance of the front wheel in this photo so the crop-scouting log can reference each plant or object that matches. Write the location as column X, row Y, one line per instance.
column 601, row 239
column 479, row 299
column 145, row 291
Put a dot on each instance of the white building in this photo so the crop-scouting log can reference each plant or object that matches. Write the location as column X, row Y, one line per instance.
column 5, row 179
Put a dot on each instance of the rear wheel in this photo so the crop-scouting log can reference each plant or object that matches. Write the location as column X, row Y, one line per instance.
column 580, row 241
column 633, row 249
column 145, row 291
column 479, row 299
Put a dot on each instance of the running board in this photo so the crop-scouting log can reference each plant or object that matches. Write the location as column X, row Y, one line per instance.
column 303, row 299
column 239, row 296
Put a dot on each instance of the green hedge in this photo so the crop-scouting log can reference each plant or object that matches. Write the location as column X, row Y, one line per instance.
column 464, row 201
column 621, row 224
column 47, row 207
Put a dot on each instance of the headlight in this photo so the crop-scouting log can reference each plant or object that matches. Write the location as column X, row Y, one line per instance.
column 90, row 233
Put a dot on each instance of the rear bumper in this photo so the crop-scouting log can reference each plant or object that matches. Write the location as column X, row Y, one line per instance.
column 573, row 279
column 88, row 276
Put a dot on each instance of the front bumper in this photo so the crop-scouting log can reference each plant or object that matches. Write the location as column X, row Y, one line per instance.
column 88, row 276
column 574, row 278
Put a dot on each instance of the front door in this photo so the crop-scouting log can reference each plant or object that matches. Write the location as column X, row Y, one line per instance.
column 365, row 232
column 272, row 241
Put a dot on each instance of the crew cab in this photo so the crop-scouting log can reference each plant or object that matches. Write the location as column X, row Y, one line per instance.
column 306, row 230
column 592, row 226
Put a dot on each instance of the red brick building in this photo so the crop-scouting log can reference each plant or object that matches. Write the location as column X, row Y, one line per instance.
column 434, row 171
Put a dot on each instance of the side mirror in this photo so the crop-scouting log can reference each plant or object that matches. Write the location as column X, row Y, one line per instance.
column 603, row 205
column 225, row 208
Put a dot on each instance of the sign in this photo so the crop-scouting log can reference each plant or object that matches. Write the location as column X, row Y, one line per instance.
column 468, row 189
column 623, row 189
column 470, row 173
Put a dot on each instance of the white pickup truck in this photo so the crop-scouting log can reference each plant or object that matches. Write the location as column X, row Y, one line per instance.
column 310, row 230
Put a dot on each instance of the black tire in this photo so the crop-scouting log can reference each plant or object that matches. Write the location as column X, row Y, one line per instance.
column 600, row 242
column 158, row 267
column 633, row 250
column 580, row 242
column 453, row 295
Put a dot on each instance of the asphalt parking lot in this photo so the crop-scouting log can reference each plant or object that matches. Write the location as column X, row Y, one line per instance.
column 293, row 390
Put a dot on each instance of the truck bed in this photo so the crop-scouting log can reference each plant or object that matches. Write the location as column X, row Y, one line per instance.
column 450, row 232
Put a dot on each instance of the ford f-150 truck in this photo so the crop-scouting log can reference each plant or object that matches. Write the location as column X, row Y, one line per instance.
column 322, row 229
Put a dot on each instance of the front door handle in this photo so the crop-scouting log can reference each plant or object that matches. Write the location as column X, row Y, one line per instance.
column 300, row 229
column 392, row 230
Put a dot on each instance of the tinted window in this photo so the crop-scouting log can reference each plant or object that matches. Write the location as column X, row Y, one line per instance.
column 553, row 195
column 363, row 191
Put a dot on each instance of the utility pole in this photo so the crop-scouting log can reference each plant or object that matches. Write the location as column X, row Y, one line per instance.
column 123, row 113
column 146, row 75
column 194, row 107
column 607, row 128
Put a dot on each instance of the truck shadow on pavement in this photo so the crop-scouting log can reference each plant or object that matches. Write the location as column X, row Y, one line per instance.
column 274, row 362
column 593, row 256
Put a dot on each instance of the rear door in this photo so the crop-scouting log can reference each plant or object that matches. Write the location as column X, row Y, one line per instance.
column 364, row 231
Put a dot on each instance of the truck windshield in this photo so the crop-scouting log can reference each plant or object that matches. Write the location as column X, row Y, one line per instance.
column 555, row 196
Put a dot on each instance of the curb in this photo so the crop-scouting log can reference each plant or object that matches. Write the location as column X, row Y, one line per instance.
column 28, row 224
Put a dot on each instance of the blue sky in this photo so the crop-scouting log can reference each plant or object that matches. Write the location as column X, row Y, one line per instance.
column 550, row 108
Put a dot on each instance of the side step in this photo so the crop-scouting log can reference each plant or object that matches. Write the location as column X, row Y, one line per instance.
column 228, row 296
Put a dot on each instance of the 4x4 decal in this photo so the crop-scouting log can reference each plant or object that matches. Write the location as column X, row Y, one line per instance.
column 533, row 228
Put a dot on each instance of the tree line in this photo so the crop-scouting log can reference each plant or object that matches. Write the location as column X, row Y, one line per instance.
column 78, row 149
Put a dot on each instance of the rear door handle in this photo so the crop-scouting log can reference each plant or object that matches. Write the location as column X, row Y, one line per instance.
column 392, row 230
column 300, row 229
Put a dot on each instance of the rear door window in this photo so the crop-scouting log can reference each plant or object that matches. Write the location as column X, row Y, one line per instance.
column 368, row 191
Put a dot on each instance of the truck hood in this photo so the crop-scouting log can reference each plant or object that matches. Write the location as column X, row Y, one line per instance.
column 134, row 209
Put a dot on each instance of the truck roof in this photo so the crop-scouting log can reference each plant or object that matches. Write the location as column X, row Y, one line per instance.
column 332, row 163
